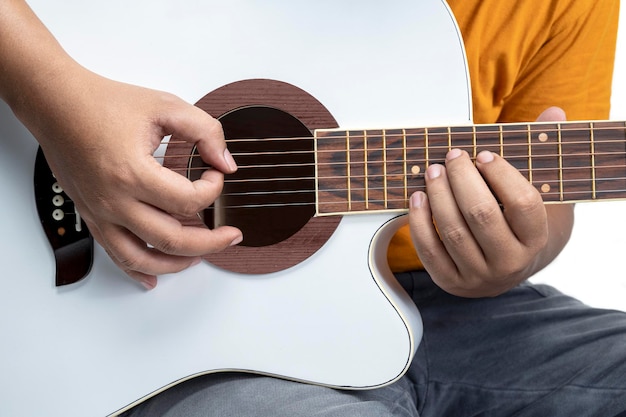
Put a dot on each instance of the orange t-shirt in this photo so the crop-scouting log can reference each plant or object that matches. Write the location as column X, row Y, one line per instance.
column 525, row 56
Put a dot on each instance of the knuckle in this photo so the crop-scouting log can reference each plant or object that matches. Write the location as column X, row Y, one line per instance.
column 215, row 128
column 483, row 213
column 169, row 99
column 212, row 130
column 454, row 235
column 191, row 203
column 528, row 202
column 214, row 182
column 516, row 270
column 129, row 264
column 170, row 244
column 512, row 267
column 189, row 208
column 427, row 255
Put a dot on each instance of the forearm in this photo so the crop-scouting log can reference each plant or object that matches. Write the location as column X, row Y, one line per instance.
column 34, row 68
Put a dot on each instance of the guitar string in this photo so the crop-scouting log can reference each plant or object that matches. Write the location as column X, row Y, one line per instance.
column 443, row 148
column 389, row 203
column 431, row 150
column 537, row 156
column 429, row 131
column 400, row 176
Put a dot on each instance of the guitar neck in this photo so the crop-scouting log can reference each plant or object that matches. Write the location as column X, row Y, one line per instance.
column 378, row 170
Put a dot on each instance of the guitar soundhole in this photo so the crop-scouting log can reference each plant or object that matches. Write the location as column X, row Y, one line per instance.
column 272, row 194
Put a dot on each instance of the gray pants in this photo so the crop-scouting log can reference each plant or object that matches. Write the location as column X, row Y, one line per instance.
column 530, row 352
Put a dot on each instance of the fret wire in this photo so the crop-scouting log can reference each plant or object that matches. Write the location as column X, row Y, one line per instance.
column 474, row 141
column 367, row 197
column 317, row 176
column 385, row 166
column 501, row 142
column 560, row 159
column 426, row 146
column 404, row 168
column 348, row 173
column 530, row 159
column 449, row 138
column 593, row 162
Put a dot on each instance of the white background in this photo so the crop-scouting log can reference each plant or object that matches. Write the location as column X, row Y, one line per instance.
column 593, row 265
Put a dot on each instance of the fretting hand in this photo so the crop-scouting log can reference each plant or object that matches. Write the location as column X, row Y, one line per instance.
column 470, row 245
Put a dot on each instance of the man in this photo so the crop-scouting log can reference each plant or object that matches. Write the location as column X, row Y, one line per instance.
column 524, row 351
column 514, row 349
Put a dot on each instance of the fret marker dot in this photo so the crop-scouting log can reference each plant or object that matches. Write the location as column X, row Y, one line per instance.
column 545, row 188
column 415, row 170
column 543, row 137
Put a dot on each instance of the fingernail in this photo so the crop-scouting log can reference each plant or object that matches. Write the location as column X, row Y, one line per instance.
column 417, row 199
column 434, row 171
column 484, row 157
column 453, row 154
column 230, row 161
column 195, row 262
column 237, row 240
column 148, row 283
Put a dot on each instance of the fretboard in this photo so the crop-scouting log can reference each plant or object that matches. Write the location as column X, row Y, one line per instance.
column 373, row 170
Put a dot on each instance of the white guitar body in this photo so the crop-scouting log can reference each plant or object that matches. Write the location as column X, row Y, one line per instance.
column 339, row 318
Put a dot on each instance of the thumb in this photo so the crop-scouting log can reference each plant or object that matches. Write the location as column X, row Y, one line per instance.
column 552, row 114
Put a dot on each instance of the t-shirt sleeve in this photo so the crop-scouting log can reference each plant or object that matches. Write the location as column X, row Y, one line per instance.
column 573, row 69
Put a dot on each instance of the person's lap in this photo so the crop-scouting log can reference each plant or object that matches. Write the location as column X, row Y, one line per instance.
column 530, row 352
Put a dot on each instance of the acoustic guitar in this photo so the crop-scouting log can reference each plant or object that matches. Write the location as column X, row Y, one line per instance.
column 303, row 92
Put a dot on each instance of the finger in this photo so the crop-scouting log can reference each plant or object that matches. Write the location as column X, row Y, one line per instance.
column 148, row 281
column 194, row 125
column 552, row 114
column 185, row 198
column 453, row 230
column 429, row 247
column 167, row 235
column 135, row 255
column 478, row 205
column 523, row 207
